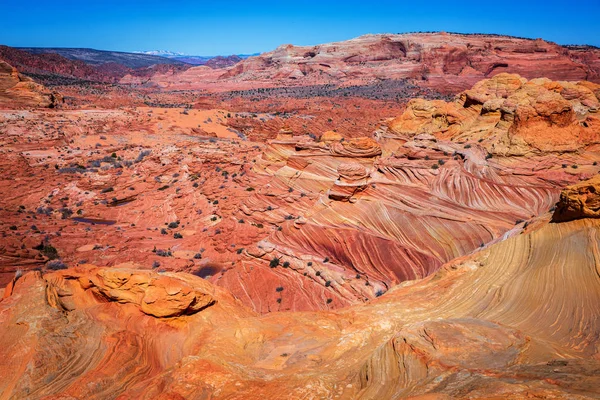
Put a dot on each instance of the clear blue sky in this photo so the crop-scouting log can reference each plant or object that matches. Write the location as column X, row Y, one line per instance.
column 211, row 28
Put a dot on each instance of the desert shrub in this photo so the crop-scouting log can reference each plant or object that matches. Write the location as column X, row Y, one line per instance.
column 56, row 265
column 163, row 253
column 48, row 251
column 142, row 155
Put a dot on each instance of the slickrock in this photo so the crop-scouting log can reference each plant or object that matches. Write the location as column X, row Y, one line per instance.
column 517, row 319
column 176, row 253
column 435, row 185
column 18, row 91
column 299, row 223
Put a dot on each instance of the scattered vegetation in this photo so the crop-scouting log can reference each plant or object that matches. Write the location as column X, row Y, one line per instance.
column 274, row 263
column 56, row 265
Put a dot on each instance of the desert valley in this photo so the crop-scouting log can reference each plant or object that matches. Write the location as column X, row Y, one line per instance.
column 392, row 216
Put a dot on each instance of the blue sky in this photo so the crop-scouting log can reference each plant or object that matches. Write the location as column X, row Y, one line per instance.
column 211, row 28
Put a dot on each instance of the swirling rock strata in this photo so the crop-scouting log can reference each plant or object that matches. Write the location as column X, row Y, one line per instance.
column 439, row 182
column 517, row 319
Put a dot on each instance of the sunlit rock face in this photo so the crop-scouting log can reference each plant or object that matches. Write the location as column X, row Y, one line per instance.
column 446, row 62
column 516, row 319
column 301, row 222
column 357, row 217
column 18, row 91
column 156, row 254
column 511, row 116
column 579, row 201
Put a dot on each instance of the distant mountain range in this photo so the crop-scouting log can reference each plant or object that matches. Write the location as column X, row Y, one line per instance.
column 135, row 59
column 100, row 57
column 191, row 59
column 160, row 53
column 59, row 66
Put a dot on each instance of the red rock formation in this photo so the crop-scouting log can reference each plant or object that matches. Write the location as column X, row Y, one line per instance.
column 579, row 201
column 18, row 91
column 510, row 115
column 53, row 68
column 223, row 62
column 446, row 62
column 451, row 178
column 427, row 242
column 341, row 219
column 492, row 324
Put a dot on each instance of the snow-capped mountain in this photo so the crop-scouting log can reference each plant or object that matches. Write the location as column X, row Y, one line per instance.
column 161, row 53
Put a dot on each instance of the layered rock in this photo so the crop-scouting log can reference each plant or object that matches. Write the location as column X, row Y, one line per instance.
column 444, row 61
column 511, row 116
column 156, row 295
column 495, row 323
column 302, row 223
column 441, row 181
column 581, row 200
column 18, row 91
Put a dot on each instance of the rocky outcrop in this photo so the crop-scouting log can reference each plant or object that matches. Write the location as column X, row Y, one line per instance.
column 223, row 62
column 491, row 324
column 492, row 314
column 154, row 294
column 438, row 182
column 511, row 116
column 301, row 222
column 155, row 253
column 18, row 91
column 444, row 61
column 581, row 200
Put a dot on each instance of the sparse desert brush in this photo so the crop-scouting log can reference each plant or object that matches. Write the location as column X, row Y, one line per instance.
column 56, row 265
